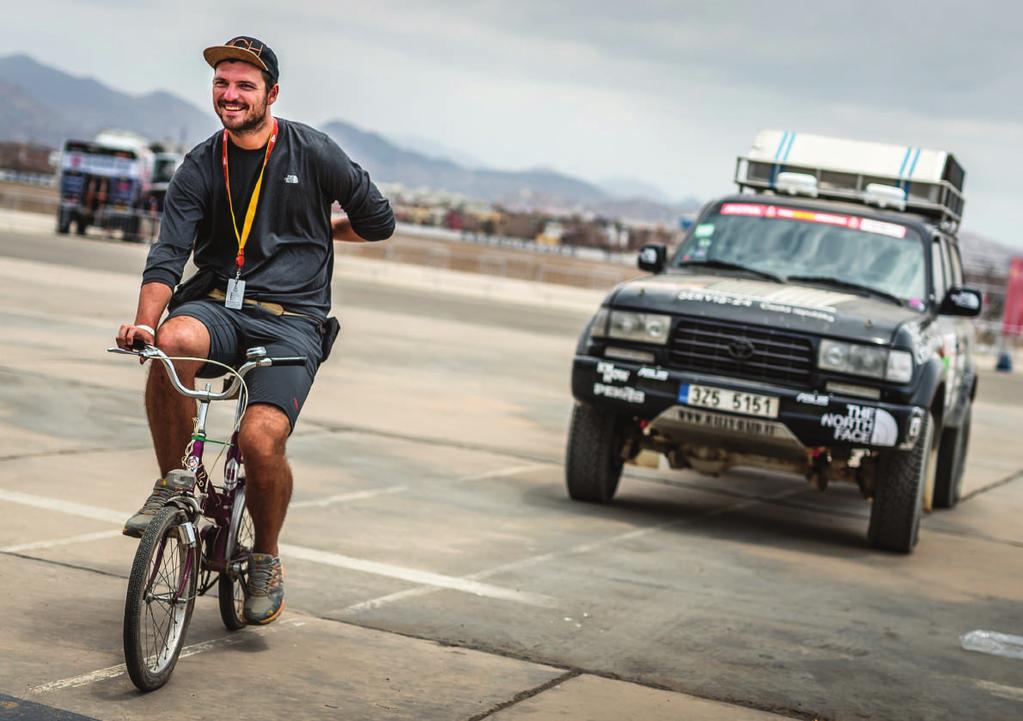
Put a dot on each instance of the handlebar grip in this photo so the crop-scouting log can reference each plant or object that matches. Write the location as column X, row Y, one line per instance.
column 288, row 361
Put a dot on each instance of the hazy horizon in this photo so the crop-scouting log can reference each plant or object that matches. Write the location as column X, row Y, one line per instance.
column 662, row 93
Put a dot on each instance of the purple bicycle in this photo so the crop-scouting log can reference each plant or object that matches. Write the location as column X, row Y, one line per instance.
column 200, row 538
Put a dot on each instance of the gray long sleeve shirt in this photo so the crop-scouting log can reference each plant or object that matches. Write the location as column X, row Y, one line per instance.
column 289, row 256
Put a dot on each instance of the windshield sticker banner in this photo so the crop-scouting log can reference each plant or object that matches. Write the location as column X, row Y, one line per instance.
column 101, row 164
column 852, row 222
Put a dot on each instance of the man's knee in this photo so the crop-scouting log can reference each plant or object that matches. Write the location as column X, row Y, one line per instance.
column 183, row 336
column 264, row 434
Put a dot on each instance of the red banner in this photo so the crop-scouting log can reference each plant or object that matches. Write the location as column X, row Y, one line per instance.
column 1012, row 321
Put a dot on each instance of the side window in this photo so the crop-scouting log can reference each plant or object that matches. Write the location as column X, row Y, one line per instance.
column 938, row 270
column 957, row 264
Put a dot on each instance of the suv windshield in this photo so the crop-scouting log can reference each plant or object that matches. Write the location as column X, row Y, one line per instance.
column 164, row 170
column 784, row 241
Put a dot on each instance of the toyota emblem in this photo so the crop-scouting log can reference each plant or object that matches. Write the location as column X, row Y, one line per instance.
column 741, row 349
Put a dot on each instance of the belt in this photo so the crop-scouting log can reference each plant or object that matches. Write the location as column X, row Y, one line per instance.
column 274, row 308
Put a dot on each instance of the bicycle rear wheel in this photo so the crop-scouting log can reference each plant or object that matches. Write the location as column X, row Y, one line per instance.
column 161, row 596
column 231, row 584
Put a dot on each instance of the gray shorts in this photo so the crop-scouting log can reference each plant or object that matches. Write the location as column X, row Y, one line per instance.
column 232, row 332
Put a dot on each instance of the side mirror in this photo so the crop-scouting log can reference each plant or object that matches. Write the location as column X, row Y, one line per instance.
column 652, row 257
column 961, row 301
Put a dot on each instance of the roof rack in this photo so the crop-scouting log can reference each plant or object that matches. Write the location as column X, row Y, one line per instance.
column 928, row 182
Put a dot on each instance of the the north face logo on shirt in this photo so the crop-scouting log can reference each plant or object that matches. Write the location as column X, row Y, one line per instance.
column 290, row 178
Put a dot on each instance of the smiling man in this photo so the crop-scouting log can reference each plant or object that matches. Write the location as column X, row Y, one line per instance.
column 252, row 206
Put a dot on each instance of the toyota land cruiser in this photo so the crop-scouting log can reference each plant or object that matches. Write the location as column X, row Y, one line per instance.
column 815, row 323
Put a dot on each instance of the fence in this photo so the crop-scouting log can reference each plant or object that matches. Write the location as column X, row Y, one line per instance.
column 506, row 264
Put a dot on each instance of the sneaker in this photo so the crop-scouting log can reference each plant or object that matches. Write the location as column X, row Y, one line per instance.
column 136, row 525
column 264, row 591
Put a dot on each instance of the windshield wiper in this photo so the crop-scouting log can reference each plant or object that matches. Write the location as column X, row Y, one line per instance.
column 848, row 284
column 728, row 265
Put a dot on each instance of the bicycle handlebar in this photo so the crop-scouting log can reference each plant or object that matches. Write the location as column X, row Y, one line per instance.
column 298, row 360
column 257, row 359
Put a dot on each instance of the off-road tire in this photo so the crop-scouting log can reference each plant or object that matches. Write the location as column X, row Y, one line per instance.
column 951, row 463
column 898, row 498
column 593, row 459
column 150, row 661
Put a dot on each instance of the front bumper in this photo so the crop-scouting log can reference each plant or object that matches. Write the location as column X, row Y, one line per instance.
column 812, row 419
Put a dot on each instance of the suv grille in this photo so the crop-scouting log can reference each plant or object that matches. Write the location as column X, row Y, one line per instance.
column 743, row 351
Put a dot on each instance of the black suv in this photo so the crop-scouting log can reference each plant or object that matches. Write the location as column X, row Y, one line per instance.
column 821, row 337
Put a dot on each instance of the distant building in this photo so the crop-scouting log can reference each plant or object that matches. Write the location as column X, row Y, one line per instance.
column 27, row 158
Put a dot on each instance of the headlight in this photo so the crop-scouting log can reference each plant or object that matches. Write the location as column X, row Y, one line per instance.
column 900, row 366
column 642, row 327
column 865, row 360
column 598, row 328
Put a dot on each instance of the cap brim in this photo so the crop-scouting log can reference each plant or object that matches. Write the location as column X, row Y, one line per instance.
column 220, row 53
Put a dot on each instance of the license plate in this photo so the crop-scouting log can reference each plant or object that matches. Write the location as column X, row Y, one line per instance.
column 722, row 399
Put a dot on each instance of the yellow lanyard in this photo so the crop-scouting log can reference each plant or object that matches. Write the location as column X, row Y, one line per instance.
column 250, row 214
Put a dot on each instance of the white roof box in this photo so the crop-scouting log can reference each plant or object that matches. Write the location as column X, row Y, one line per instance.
column 929, row 182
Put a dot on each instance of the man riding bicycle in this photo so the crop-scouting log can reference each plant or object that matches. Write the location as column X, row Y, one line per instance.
column 254, row 205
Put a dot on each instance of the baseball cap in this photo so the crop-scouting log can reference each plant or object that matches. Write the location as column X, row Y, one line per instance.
column 247, row 50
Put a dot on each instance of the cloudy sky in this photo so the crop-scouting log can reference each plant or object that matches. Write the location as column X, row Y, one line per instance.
column 666, row 92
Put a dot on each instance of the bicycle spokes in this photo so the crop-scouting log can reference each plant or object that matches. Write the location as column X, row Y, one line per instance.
column 161, row 593
column 165, row 600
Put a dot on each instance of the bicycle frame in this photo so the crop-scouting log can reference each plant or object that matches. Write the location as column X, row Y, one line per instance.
column 216, row 504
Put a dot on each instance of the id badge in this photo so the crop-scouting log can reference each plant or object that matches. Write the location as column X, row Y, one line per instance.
column 235, row 294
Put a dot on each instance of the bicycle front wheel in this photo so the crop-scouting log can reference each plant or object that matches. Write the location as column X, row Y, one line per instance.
column 231, row 584
column 161, row 595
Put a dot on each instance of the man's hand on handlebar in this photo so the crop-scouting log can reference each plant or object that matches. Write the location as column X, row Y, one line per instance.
column 135, row 337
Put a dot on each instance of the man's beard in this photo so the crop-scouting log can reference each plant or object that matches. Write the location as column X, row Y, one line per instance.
column 249, row 122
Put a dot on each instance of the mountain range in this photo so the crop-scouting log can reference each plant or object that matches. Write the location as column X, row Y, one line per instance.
column 45, row 105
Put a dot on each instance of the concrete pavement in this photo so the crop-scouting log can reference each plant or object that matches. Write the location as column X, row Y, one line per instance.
column 435, row 568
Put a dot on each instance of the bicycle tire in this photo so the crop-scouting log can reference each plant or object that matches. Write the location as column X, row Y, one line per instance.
column 231, row 584
column 161, row 563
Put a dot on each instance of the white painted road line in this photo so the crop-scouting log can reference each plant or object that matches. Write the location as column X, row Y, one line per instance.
column 1012, row 693
column 424, row 578
column 364, row 495
column 381, row 601
column 81, row 538
column 120, row 669
column 503, row 472
column 390, row 598
column 75, row 509
column 84, row 680
column 346, row 497
column 337, row 560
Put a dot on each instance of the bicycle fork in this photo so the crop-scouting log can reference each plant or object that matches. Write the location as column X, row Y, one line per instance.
column 189, row 541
